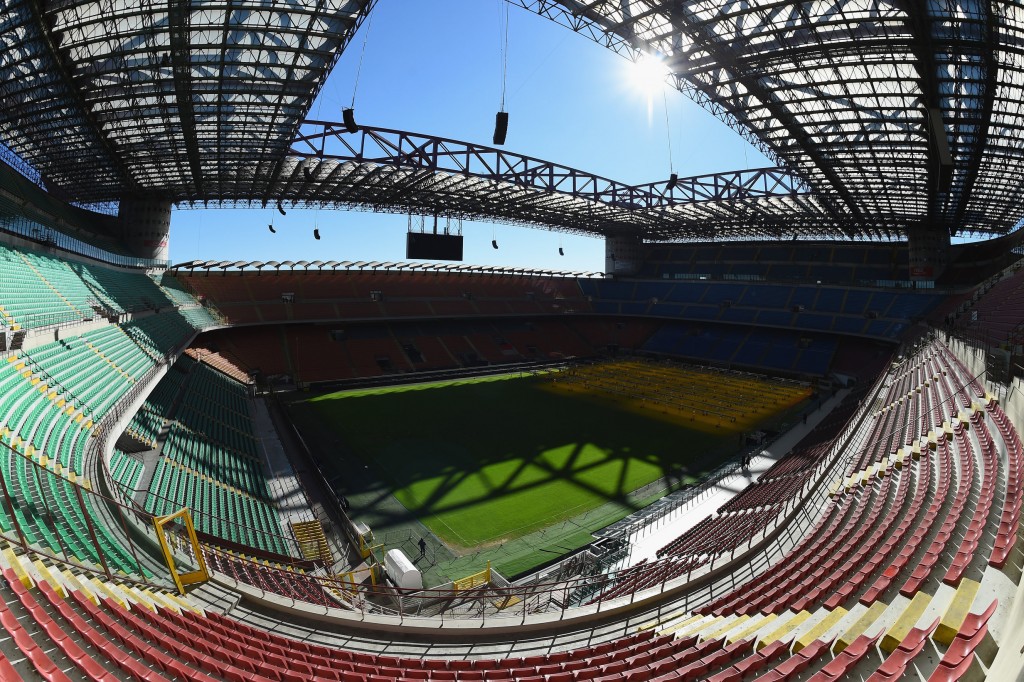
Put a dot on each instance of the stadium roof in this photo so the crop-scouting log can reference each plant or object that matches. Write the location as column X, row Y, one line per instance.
column 884, row 116
column 903, row 109
column 169, row 99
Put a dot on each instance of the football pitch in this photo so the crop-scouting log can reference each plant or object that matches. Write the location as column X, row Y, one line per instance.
column 484, row 461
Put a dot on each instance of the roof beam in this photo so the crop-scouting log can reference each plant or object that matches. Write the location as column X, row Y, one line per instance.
column 686, row 22
column 940, row 163
column 356, row 20
column 401, row 149
column 179, row 12
column 990, row 43
column 101, row 143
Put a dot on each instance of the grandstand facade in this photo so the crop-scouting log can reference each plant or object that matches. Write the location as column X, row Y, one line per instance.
column 877, row 538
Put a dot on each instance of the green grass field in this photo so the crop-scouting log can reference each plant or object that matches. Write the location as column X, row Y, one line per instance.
column 480, row 462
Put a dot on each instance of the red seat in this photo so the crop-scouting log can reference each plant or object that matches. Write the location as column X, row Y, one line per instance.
column 847, row 659
column 727, row 675
column 974, row 622
column 895, row 665
column 943, row 673
column 760, row 659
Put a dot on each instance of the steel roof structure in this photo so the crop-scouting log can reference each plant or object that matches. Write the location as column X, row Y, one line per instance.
column 905, row 109
column 884, row 116
column 108, row 98
column 395, row 171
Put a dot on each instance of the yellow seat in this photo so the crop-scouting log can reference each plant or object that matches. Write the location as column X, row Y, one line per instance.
column 859, row 626
column 953, row 619
column 820, row 628
column 906, row 621
column 783, row 630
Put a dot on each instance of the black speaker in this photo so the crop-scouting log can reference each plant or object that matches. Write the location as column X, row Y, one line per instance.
column 271, row 228
column 316, row 233
column 673, row 180
column 494, row 243
column 280, row 208
column 348, row 116
column 305, row 171
column 500, row 127
column 561, row 251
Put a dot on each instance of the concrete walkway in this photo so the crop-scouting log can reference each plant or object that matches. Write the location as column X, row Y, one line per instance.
column 285, row 490
column 646, row 541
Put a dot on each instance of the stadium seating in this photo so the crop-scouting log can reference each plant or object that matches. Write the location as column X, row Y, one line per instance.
column 224, row 361
column 997, row 314
column 210, row 460
column 772, row 261
column 848, row 532
column 331, row 295
column 778, row 351
column 59, row 621
column 27, row 297
column 933, row 450
column 38, row 289
column 123, row 290
column 289, row 582
column 125, row 469
column 880, row 314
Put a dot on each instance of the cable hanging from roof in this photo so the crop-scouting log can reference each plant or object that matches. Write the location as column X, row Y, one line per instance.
column 348, row 115
column 501, row 118
column 673, row 178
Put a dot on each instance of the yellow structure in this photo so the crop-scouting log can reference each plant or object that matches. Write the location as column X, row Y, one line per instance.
column 201, row 574
column 476, row 580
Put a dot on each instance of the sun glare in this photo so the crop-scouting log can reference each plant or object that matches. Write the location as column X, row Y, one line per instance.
column 647, row 75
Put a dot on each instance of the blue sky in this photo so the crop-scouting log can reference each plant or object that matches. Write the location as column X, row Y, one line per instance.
column 434, row 66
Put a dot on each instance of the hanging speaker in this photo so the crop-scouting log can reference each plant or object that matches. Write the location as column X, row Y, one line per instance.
column 309, row 176
column 280, row 208
column 271, row 228
column 500, row 127
column 316, row 233
column 494, row 243
column 673, row 180
column 348, row 116
column 561, row 251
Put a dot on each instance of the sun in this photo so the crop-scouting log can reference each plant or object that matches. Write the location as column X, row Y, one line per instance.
column 647, row 75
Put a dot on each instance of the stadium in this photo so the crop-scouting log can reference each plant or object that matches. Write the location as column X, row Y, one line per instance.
column 774, row 434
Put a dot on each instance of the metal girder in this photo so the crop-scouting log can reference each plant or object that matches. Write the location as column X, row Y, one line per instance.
column 684, row 22
column 851, row 97
column 898, row 110
column 396, row 171
column 990, row 64
column 62, row 64
column 401, row 149
column 188, row 98
column 179, row 14
column 940, row 166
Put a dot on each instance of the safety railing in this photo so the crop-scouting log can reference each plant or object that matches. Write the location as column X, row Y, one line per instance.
column 68, row 522
column 29, row 229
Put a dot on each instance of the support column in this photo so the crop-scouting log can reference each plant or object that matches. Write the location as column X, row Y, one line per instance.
column 145, row 226
column 929, row 252
column 623, row 255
